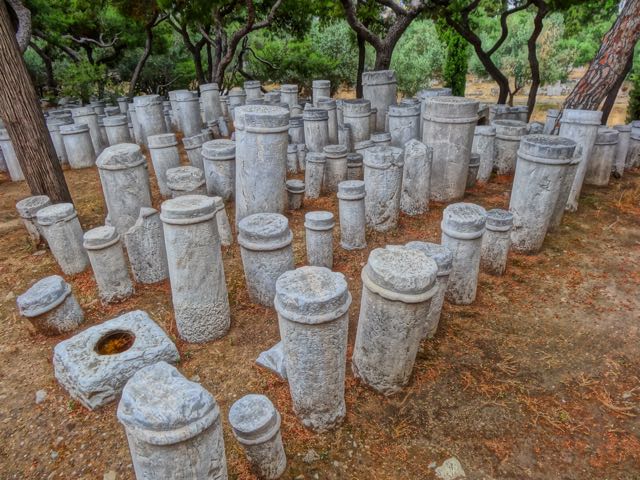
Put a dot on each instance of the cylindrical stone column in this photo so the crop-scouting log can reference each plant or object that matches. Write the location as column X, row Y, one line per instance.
column 292, row 158
column 356, row 113
column 108, row 264
column 622, row 148
column 507, row 142
column 150, row 115
column 335, row 170
column 53, row 125
column 383, row 181
column 567, row 174
column 354, row 166
column 449, row 123
column 351, row 195
column 196, row 271
column 484, row 144
column 123, row 104
column 175, row 433
column 28, row 209
column 316, row 129
column 186, row 180
column 164, row 153
column 78, row 145
column 633, row 156
column 87, row 116
column 237, row 98
column 314, row 174
column 602, row 157
column 296, row 129
column 423, row 95
column 329, row 104
column 117, row 129
column 319, row 238
column 210, row 99
column 404, row 124
column 381, row 88
column 344, row 137
column 61, row 229
column 313, row 315
column 540, row 170
column 193, row 148
column 272, row 97
column 289, row 94
column 550, row 122
column 474, row 165
column 9, row 155
column 261, row 155
column 398, row 284
column 381, row 139
column 219, row 157
column 463, row 225
column 295, row 193
column 222, row 221
column 135, row 125
column 320, row 89
column 416, row 178
column 496, row 241
column 253, row 90
column 125, row 184
column 301, row 153
column 188, row 106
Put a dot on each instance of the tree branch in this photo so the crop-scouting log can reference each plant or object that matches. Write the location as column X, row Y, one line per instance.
column 504, row 27
column 99, row 43
column 75, row 56
column 358, row 26
column 23, row 32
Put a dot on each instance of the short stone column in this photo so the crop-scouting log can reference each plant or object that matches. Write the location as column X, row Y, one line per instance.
column 196, row 271
column 550, row 121
column 568, row 174
column 355, row 169
column 125, row 184
column 210, row 100
column 78, row 145
column 186, row 180
column 633, row 156
column 381, row 88
column 87, row 116
column 383, row 182
column 444, row 261
column 28, row 209
column 164, row 153
column 398, row 284
column 222, row 221
column 316, row 129
column 313, row 315
column 272, row 97
column 253, row 90
column 255, row 423
column 329, row 104
column 474, row 166
column 108, row 264
column 484, row 144
column 425, row 94
column 219, row 158
column 381, row 139
column 581, row 126
column 175, row 109
column 314, row 174
column 463, row 225
column 296, row 129
column 335, row 170
column 416, row 178
column 51, row 307
column 193, row 148
column 507, row 142
column 214, row 129
column 602, row 158
column 237, row 98
column 540, row 172
column 404, row 124
column 301, row 153
column 53, row 125
column 289, row 94
column 622, row 148
column 344, row 137
column 9, row 155
column 135, row 125
column 351, row 208
column 188, row 106
column 123, row 104
column 356, row 113
column 496, row 241
column 319, row 238
column 265, row 247
column 295, row 193
column 320, row 89
column 103, row 133
column 145, row 248
column 449, row 123
column 292, row 159
column 535, row 128
column 117, row 129
column 61, row 229
column 150, row 115
column 176, row 432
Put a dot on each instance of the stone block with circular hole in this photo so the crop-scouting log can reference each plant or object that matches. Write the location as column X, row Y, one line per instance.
column 94, row 365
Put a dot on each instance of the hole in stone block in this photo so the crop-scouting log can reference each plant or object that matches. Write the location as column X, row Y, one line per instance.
column 115, row 342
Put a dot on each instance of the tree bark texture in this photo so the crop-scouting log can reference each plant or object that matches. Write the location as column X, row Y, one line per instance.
column 607, row 106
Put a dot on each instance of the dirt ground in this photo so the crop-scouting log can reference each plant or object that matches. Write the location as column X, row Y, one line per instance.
column 539, row 378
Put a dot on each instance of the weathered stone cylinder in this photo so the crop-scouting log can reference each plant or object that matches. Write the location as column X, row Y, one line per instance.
column 537, row 185
column 295, row 193
column 61, row 229
column 150, row 115
column 507, row 141
column 416, row 178
column 272, row 97
column 9, row 155
column 296, row 129
column 261, row 155
column 196, row 271
column 145, row 248
column 335, row 170
column 356, row 113
column 474, row 165
column 344, row 137
column 176, row 432
column 550, row 122
column 186, row 180
column 210, row 100
column 381, row 139
column 484, row 144
column 78, row 145
column 355, row 167
column 496, row 241
column 423, row 95
column 53, row 125
column 87, row 116
column 237, row 98
column 381, row 88
column 404, row 124
column 108, row 264
column 320, row 89
column 313, row 315
column 289, row 94
column 329, row 104
column 117, row 129
column 51, row 307
column 568, row 173
column 123, row 104
column 219, row 157
column 398, row 286
column 28, row 209
column 602, row 157
column 265, row 247
column 292, row 159
column 253, row 90
column 193, row 148
column 383, row 182
column 135, row 125
column 188, row 106
column 463, row 225
column 314, row 174
column 319, row 238
column 633, row 156
column 316, row 129
column 351, row 195
column 125, row 184
column 622, row 148
column 164, row 153
column 222, row 220
column 301, row 153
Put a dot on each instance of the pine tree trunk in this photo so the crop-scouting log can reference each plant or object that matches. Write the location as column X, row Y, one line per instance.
column 610, row 101
column 148, row 44
column 24, row 120
column 361, row 58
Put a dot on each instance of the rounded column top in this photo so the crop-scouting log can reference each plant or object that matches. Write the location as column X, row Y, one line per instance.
column 59, row 212
column 622, row 128
column 464, row 221
column 547, row 148
column 187, row 209
column 474, row 159
column 220, row 149
column 294, row 186
column 100, row 237
column 316, row 157
column 335, row 151
column 162, row 140
column 252, row 84
column 451, row 109
column 185, row 179
column 261, row 118
column 409, row 102
column 74, row 128
column 254, row 419
column 321, row 83
column 194, row 141
column 315, row 114
column 29, row 207
column 510, row 128
column 114, row 120
column 184, row 96
column 583, row 117
column 264, row 232
column 43, row 296
column 319, row 220
column 288, row 88
column 358, row 107
column 142, row 101
column 606, row 136
column 404, row 110
column 499, row 220
column 112, row 111
column 439, row 253
column 82, row 111
column 326, row 103
column 237, row 92
column 434, row 92
column 296, row 121
column 208, row 86
column 383, row 157
column 351, row 190
column 379, row 77
column 312, row 295
column 120, row 157
column 381, row 137
column 485, row 130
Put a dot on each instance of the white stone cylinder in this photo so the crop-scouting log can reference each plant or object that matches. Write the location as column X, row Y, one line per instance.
column 87, row 116
column 383, row 182
column 186, row 180
column 633, row 156
column 188, row 106
column 253, row 90
column 404, row 124
column 381, row 88
column 381, row 139
column 319, row 238
column 78, row 145
column 222, row 220
column 219, row 158
column 123, row 104
column 484, row 144
column 602, row 158
column 135, row 125
column 416, row 178
column 9, row 155
column 117, row 129
column 355, row 169
column 496, row 241
column 28, row 209
column 567, row 174
column 210, row 99
column 301, row 152
column 344, row 137
column 329, row 104
column 272, row 97
column 175, row 109
column 320, row 89
column 423, row 95
column 622, row 148
column 550, row 122
column 295, row 193
column 164, row 153
column 313, row 315
column 314, row 173
column 398, row 284
column 474, row 166
column 292, row 159
column 145, row 248
column 237, row 98
column 54, row 125
column 335, row 170
column 316, row 129
column 150, row 115
column 463, row 225
column 193, row 147
column 351, row 209
column 507, row 141
column 356, row 113
column 296, row 129
column 289, row 94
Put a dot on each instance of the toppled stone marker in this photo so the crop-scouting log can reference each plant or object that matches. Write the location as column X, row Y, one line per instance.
column 145, row 248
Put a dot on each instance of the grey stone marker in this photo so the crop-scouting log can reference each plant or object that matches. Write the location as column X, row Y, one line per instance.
column 51, row 307
column 313, row 315
column 550, row 122
column 335, row 170
column 261, row 155
column 108, row 264
column 256, row 425
column 222, row 220
column 295, row 193
column 265, row 247
column 292, row 158
column 237, row 98
column 289, row 94
column 137, row 131
column 53, row 125
column 344, row 137
column 186, row 180
column 61, row 229
column 28, row 208
column 449, row 123
column 214, row 129
column 508, row 136
column 175, row 109
column 314, row 174
column 474, row 166
column 253, row 90
column 423, row 95
column 381, row 139
column 320, row 89
column 581, row 126
column 355, row 169
column 224, row 105
column 463, row 225
column 117, row 129
column 543, row 161
column 301, row 152
column 210, row 100
column 123, row 104
column 444, row 261
column 496, row 241
column 567, row 175
column 145, row 248
column 398, row 286
column 87, row 116
column 622, row 148
column 188, row 108
column 416, row 178
column 484, row 144
column 193, row 147
column 633, row 156
column 351, row 207
column 296, row 129
column 9, row 155
column 535, row 128
column 150, row 115
column 356, row 113
column 383, row 182
column 88, row 368
column 219, row 157
column 103, row 133
column 125, row 183
column 196, row 271
column 404, row 124
column 174, row 433
column 164, row 153
column 272, row 97
column 316, row 129
column 602, row 157
column 224, row 128
column 380, row 87
column 329, row 104
column 319, row 238
column 78, row 145
column 273, row 359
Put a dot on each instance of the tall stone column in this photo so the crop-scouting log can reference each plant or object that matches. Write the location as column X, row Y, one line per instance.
column 381, row 88
column 316, row 129
column 622, row 148
column 496, row 241
column 319, row 238
column 175, row 108
column 425, row 94
column 404, row 124
column 117, row 129
column 296, row 129
column 28, row 209
column 188, row 106
column 507, row 142
column 383, row 181
column 484, row 144
column 320, row 89
column 210, row 100
column 87, row 116
column 329, row 104
column 314, row 174
column 78, row 145
column 351, row 195
column 633, row 157
column 356, row 113
column 416, row 178
column 164, row 153
column 150, row 116
column 602, row 157
column 237, row 98
column 219, row 157
column 193, row 147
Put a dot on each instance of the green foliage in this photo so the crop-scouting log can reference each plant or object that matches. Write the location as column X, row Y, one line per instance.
column 633, row 109
column 35, row 65
column 79, row 79
column 457, row 61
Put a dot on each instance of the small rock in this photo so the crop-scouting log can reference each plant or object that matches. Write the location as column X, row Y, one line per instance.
column 54, row 455
column 9, row 297
column 110, row 475
column 41, row 396
column 433, row 465
column 311, row 456
column 627, row 395
column 451, row 469
column 195, row 378
column 37, row 253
